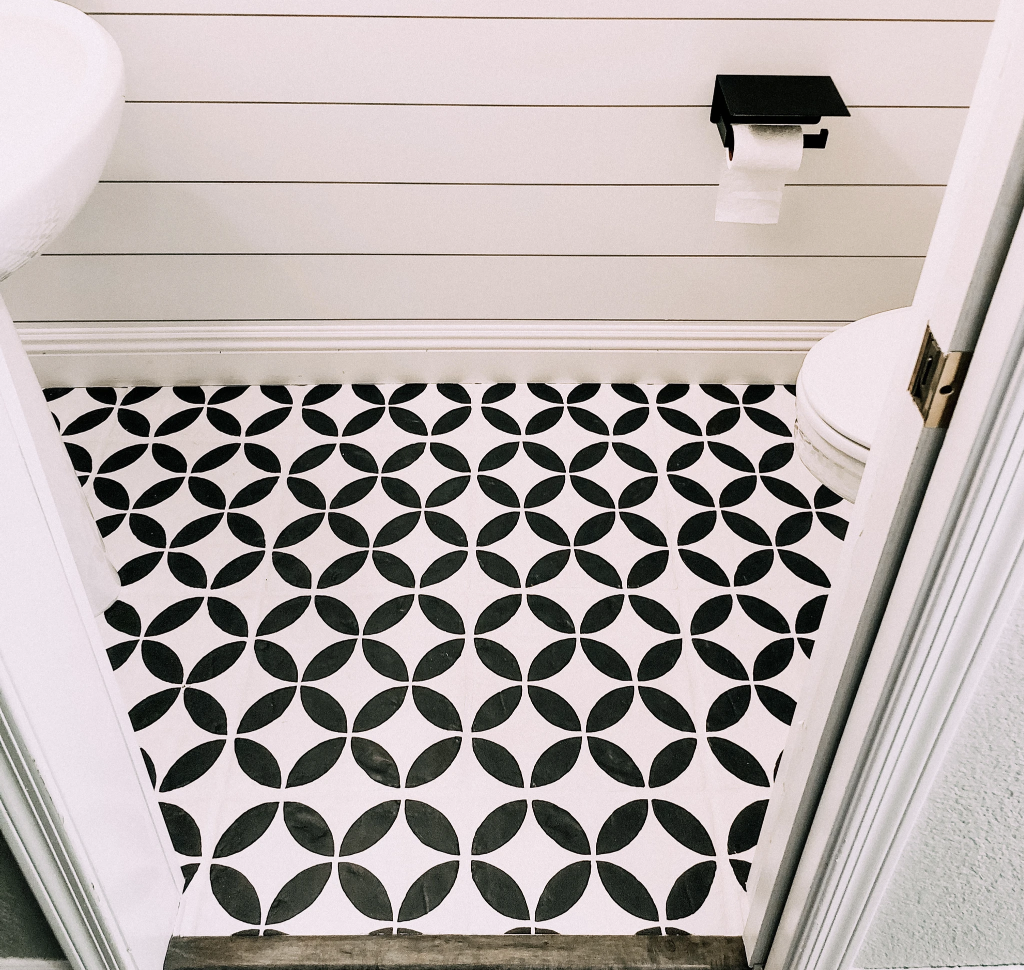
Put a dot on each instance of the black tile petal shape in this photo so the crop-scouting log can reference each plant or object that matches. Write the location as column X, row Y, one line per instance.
column 431, row 827
column 777, row 703
column 316, row 762
column 671, row 761
column 235, row 894
column 763, row 613
column 803, row 567
column 746, row 827
column 556, row 762
column 615, row 762
column 500, row 890
column 376, row 762
column 610, row 709
column 622, row 826
column 276, row 661
column 683, row 826
column 193, row 764
column 690, row 890
column 627, row 891
column 773, row 659
column 654, row 614
column 258, row 763
column 428, row 891
column 441, row 614
column 246, row 829
column 561, row 827
column 497, row 614
column 206, row 711
column 728, row 708
column 329, row 660
column 266, row 710
column 498, row 568
column 437, row 709
column 497, row 709
column 554, row 708
column 738, row 761
column 225, row 616
column 369, row 828
column 438, row 659
column 563, row 891
column 182, row 829
column 552, row 659
column 602, row 614
column 498, row 762
column 309, row 828
column 659, row 660
column 433, row 762
column 666, row 709
column 380, row 709
column 499, row 827
column 365, row 891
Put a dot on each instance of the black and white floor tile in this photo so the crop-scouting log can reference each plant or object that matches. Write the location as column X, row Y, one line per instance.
column 458, row 658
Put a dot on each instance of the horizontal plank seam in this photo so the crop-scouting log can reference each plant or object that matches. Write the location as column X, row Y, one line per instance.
column 389, row 16
column 24, row 324
column 339, row 181
column 483, row 104
column 59, row 255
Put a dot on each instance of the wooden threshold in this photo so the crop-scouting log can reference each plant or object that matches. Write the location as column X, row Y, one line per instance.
column 465, row 952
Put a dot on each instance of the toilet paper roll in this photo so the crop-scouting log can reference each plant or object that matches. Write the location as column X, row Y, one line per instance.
column 761, row 159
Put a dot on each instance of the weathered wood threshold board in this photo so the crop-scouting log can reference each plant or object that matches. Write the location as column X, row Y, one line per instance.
column 464, row 952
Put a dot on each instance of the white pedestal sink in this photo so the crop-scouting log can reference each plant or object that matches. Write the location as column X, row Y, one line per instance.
column 61, row 94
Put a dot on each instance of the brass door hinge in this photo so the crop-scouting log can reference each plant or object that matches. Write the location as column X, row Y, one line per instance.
column 938, row 377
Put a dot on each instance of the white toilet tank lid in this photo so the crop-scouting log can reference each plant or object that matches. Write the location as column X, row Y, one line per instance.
column 847, row 374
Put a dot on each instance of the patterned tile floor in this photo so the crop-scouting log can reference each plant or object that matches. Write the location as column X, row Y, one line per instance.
column 458, row 658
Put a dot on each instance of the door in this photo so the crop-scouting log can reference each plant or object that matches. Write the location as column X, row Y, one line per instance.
column 76, row 806
column 893, row 554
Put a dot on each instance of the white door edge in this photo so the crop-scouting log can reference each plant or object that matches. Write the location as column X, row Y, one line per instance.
column 965, row 259
column 75, row 802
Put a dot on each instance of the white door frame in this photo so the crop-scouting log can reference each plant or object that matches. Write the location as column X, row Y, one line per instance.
column 76, row 804
column 826, row 847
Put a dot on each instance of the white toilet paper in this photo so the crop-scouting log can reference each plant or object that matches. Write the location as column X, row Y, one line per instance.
column 762, row 157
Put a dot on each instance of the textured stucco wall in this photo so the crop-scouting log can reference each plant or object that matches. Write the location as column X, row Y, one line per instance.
column 957, row 898
column 24, row 931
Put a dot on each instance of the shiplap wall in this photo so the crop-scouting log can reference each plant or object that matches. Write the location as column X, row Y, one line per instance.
column 387, row 189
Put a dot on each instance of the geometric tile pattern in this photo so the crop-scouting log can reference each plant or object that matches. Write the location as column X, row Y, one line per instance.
column 458, row 658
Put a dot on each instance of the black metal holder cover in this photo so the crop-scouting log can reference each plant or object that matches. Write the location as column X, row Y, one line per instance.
column 775, row 99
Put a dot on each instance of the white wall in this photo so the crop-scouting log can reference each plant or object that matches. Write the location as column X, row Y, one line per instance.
column 957, row 897
column 288, row 167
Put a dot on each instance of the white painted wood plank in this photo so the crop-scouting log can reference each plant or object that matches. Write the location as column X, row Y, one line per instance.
column 276, row 142
column 453, row 219
column 455, row 61
column 685, row 9
column 104, row 288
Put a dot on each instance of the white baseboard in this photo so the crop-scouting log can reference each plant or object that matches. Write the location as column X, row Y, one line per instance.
column 273, row 352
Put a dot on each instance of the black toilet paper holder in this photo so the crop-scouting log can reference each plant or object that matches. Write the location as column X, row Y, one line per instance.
column 775, row 99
